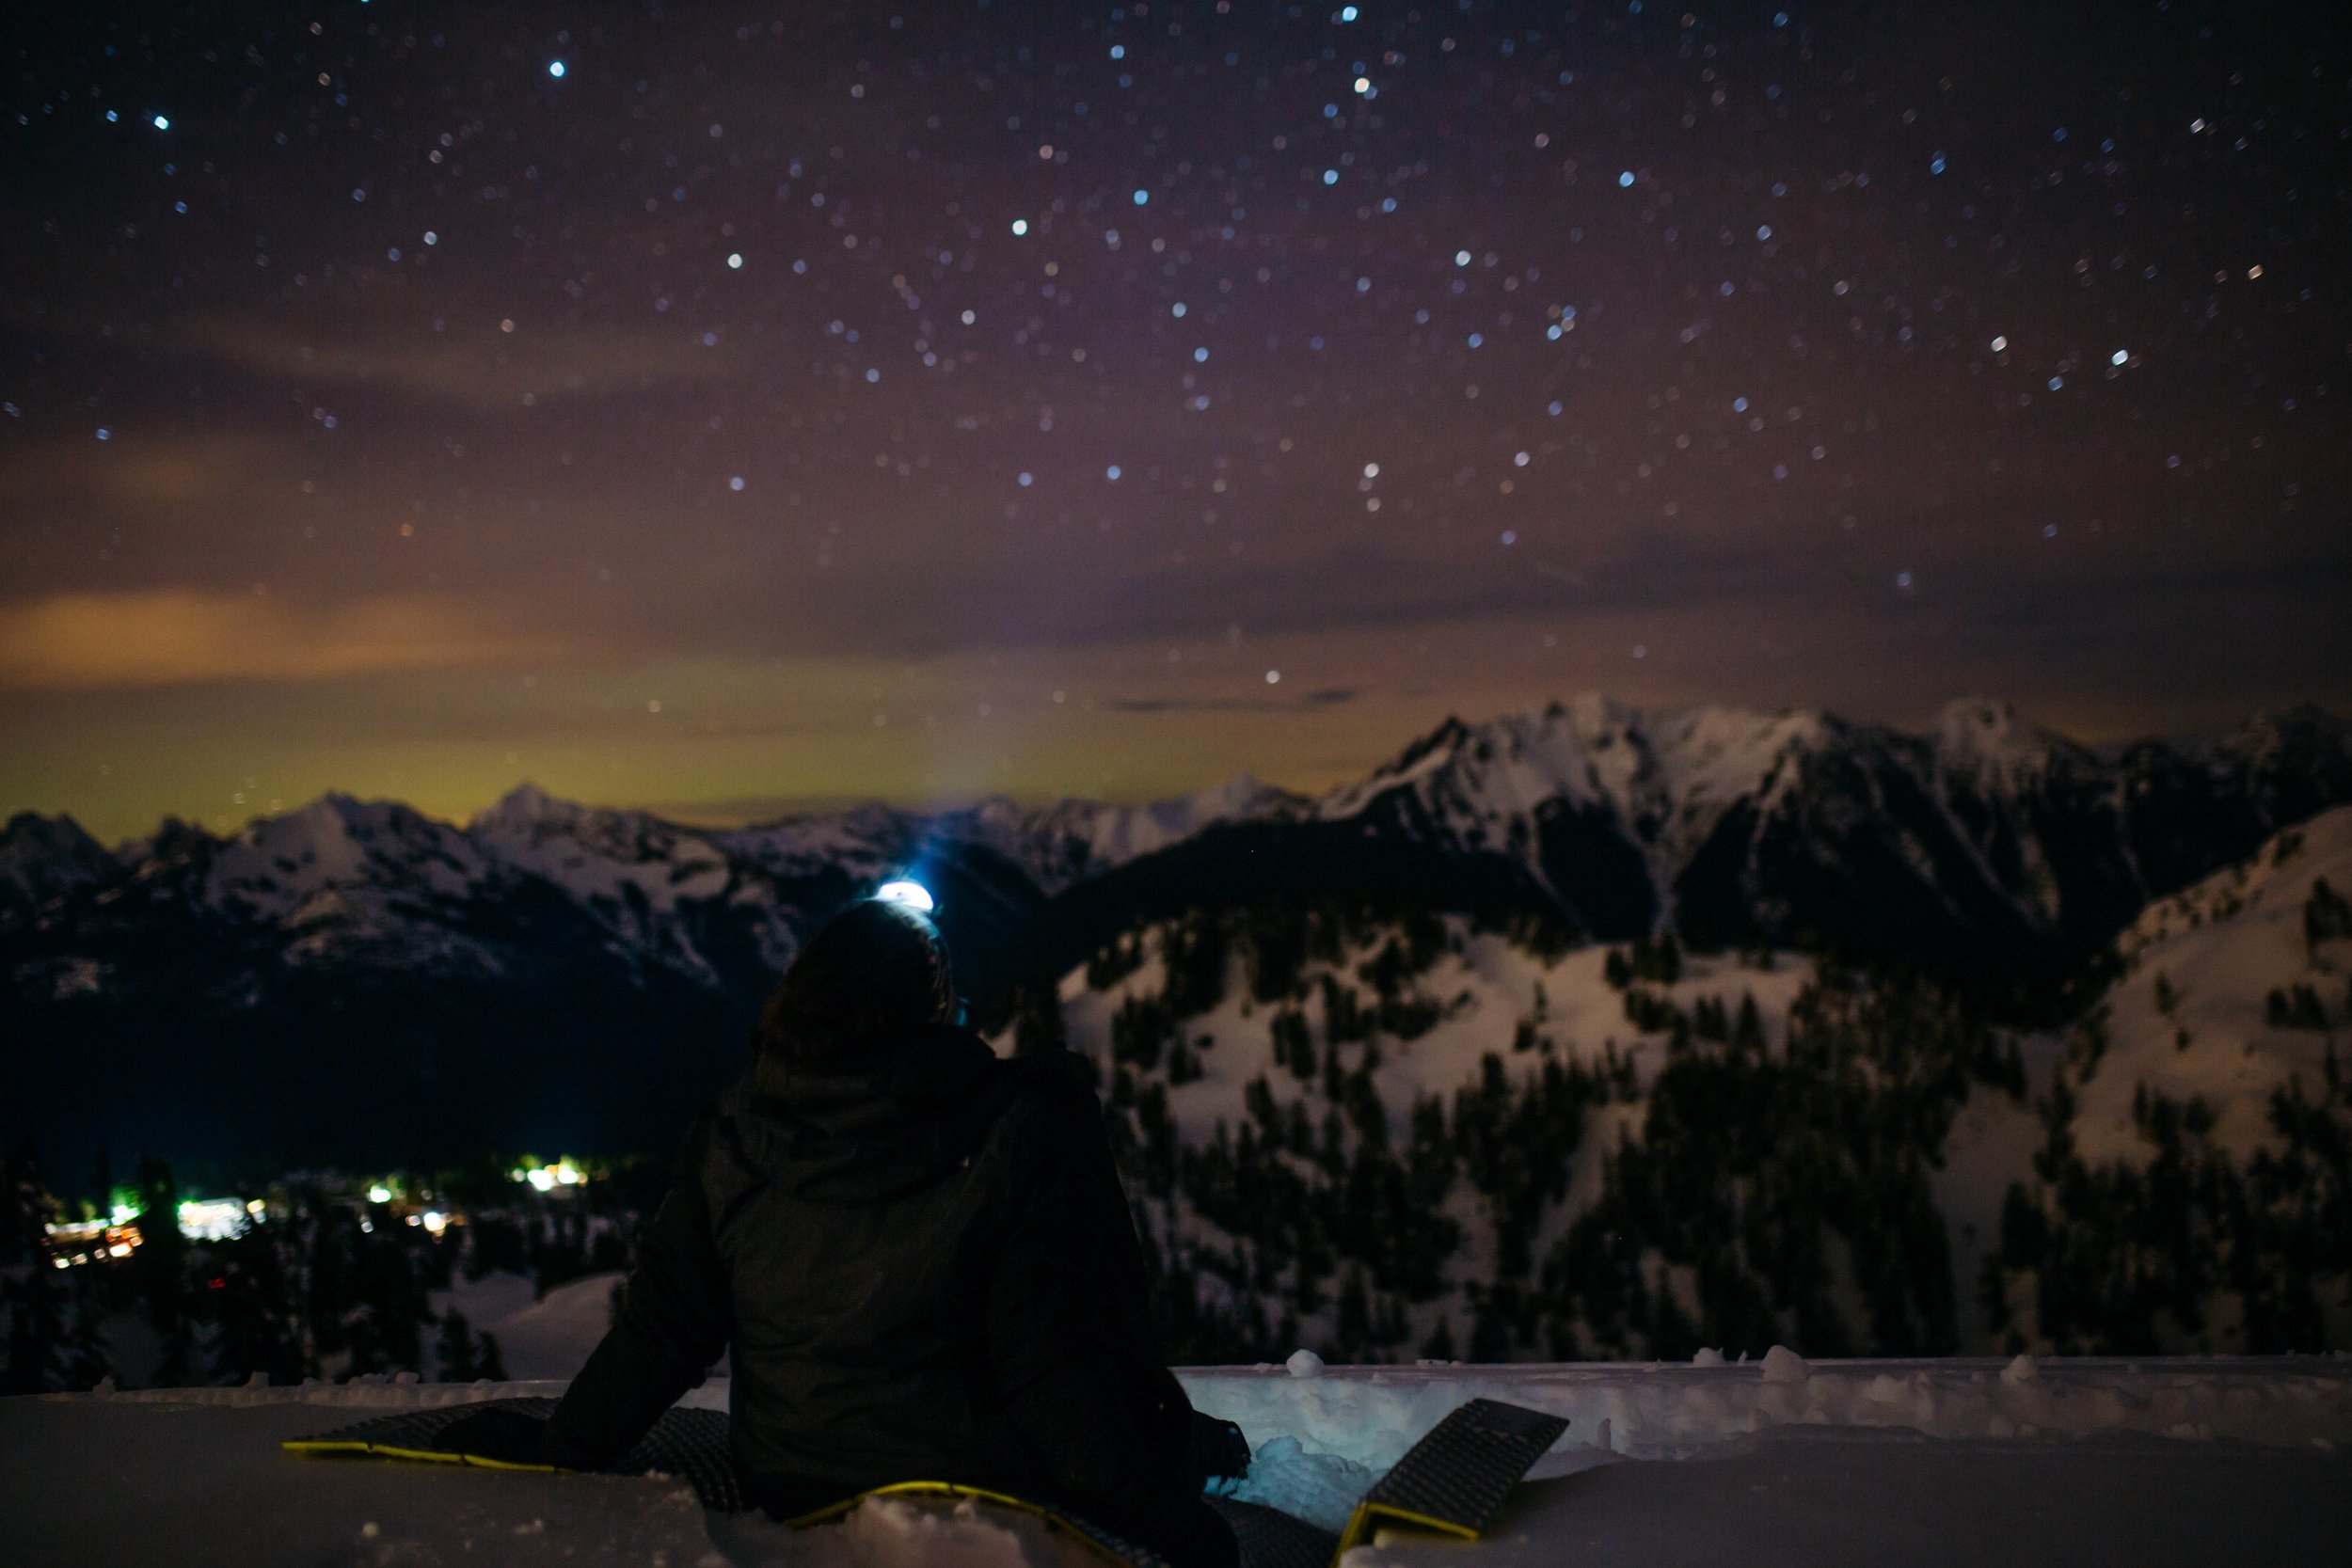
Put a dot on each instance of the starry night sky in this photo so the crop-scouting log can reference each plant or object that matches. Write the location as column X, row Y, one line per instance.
column 723, row 408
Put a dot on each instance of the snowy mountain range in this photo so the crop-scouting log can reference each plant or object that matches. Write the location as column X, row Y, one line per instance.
column 1985, row 845
column 1408, row 1135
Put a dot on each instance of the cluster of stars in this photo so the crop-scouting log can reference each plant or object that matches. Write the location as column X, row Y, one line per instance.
column 1159, row 286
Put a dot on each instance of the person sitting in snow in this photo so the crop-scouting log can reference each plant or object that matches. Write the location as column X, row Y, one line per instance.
column 922, row 1261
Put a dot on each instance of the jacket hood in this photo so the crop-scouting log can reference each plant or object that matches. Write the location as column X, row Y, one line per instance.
column 917, row 1106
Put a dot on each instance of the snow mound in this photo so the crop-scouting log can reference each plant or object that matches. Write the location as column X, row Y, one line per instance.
column 896, row 1532
column 1370, row 1415
column 551, row 1336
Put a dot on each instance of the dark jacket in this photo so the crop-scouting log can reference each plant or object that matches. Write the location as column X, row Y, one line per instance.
column 926, row 1271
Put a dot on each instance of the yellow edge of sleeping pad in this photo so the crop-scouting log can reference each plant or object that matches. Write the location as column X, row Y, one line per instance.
column 1368, row 1517
column 390, row 1451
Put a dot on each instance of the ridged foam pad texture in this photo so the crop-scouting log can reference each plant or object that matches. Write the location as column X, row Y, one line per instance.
column 1458, row 1477
column 1272, row 1538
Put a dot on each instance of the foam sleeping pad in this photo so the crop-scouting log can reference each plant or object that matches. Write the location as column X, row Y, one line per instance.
column 1453, row 1481
column 688, row 1444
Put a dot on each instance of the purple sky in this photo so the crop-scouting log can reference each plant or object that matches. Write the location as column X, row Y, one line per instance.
column 722, row 408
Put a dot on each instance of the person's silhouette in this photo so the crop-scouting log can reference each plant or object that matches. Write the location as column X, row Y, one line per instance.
column 922, row 1261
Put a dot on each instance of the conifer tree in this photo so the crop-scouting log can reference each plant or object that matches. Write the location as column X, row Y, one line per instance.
column 253, row 1311
column 455, row 1350
column 1747, row 1033
column 34, row 1301
column 161, row 1271
column 1037, row 1023
column 88, row 1356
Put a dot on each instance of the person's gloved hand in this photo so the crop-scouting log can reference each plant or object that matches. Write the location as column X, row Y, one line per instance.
column 1220, row 1452
column 506, row 1436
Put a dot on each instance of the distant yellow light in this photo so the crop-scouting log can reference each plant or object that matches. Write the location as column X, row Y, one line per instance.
column 211, row 1219
column 379, row 1193
column 543, row 1178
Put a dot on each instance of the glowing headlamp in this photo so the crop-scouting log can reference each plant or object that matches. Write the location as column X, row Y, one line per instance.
column 909, row 894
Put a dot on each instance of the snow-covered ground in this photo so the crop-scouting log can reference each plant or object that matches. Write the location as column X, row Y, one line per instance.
column 2224, row 994
column 1779, row 1462
column 1486, row 988
column 2190, row 1016
column 538, row 1338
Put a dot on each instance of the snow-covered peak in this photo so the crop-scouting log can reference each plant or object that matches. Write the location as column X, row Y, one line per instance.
column 1985, row 740
column 521, row 809
column 1649, row 770
column 2293, row 762
column 1713, row 755
column 2279, row 731
column 1059, row 843
column 594, row 852
column 1979, row 722
column 1422, row 757
column 527, row 816
column 1122, row 831
column 1241, row 796
column 313, row 863
column 1467, row 778
column 41, row 857
column 863, row 841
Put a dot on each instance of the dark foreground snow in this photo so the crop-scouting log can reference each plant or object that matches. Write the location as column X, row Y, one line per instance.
column 1851, row 1463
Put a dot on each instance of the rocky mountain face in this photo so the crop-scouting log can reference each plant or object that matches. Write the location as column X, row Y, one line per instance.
column 1988, row 838
column 42, row 858
column 558, row 948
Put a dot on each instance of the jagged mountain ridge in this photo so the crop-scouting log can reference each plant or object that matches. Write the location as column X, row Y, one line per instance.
column 1732, row 826
column 1984, row 844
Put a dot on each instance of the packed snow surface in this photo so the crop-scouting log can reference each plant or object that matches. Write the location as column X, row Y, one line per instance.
column 2189, row 1015
column 1782, row 1461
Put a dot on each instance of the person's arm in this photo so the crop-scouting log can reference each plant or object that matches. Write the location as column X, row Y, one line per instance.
column 673, row 1322
column 1070, row 1346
